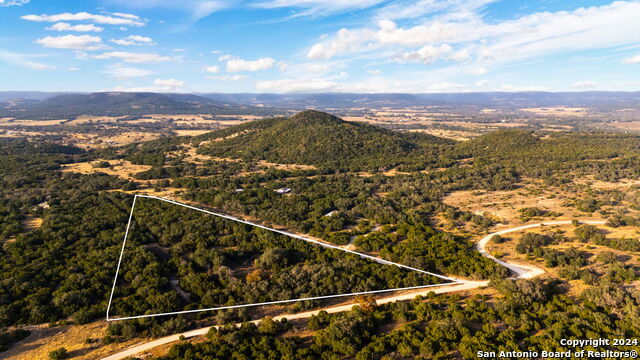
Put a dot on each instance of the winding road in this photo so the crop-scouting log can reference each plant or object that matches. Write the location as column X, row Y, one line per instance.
column 522, row 271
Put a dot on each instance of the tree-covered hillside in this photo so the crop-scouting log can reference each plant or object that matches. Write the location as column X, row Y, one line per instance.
column 317, row 138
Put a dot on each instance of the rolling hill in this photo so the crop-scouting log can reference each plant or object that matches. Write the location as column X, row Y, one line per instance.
column 317, row 138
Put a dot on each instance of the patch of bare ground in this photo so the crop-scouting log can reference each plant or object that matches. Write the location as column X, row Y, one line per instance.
column 44, row 339
column 290, row 167
column 626, row 125
column 86, row 119
column 121, row 168
column 607, row 185
column 557, row 111
column 504, row 205
column 21, row 134
column 13, row 122
column 193, row 132
column 96, row 141
column 167, row 192
column 448, row 134
column 31, row 223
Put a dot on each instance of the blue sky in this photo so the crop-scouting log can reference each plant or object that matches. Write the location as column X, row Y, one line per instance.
column 319, row 46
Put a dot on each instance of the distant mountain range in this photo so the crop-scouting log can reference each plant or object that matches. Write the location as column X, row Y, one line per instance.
column 60, row 106
column 490, row 99
column 49, row 105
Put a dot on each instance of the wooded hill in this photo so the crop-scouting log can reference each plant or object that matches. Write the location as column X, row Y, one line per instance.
column 317, row 138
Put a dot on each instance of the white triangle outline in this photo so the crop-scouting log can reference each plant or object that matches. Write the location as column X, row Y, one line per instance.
column 454, row 281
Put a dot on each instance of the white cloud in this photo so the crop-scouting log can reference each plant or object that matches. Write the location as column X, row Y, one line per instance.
column 296, row 85
column 63, row 26
column 345, row 41
column 374, row 72
column 632, row 60
column 133, row 57
column 585, row 84
column 479, row 71
column 227, row 77
column 124, row 72
column 317, row 68
column 73, row 42
column 460, row 55
column 169, row 84
column 518, row 88
column 436, row 32
column 411, row 9
column 212, row 69
column 318, row 7
column 116, row 19
column 482, row 83
column 197, row 9
column 237, row 65
column 159, row 85
column 38, row 66
column 23, row 60
column 126, row 16
column 133, row 40
column 470, row 36
column 13, row 2
column 282, row 65
column 426, row 54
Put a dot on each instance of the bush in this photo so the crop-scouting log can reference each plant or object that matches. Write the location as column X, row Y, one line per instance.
column 530, row 242
column 607, row 257
column 102, row 165
column 497, row 239
column 59, row 354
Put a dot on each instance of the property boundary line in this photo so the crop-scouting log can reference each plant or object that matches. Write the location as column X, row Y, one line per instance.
column 454, row 281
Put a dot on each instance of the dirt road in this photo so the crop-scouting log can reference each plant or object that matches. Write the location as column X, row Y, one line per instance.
column 522, row 271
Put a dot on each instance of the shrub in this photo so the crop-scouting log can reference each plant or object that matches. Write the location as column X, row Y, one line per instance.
column 59, row 354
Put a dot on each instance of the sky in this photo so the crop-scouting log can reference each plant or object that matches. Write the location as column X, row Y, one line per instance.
column 280, row 46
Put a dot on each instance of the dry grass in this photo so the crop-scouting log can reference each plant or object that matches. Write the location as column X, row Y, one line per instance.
column 627, row 125
column 504, row 205
column 191, row 132
column 44, row 340
column 168, row 192
column 290, row 167
column 621, row 184
column 84, row 119
column 508, row 252
column 31, row 223
column 557, row 111
column 121, row 168
column 449, row 134
column 21, row 134
column 6, row 122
